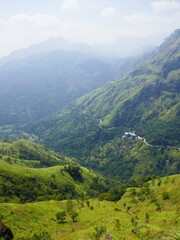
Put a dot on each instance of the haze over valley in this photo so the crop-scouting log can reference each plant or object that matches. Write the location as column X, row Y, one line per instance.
column 90, row 120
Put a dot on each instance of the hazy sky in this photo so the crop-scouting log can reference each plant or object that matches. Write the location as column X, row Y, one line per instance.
column 23, row 22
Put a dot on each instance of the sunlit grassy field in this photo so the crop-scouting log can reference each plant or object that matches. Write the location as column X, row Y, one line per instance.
column 151, row 212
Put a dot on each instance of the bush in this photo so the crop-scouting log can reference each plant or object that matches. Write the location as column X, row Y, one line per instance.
column 147, row 217
column 99, row 231
column 75, row 172
column 117, row 224
column 134, row 200
column 61, row 216
column 165, row 195
column 158, row 206
column 74, row 216
column 142, row 198
column 117, row 209
column 133, row 192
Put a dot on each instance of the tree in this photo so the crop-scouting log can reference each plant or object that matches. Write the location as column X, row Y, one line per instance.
column 128, row 208
column 147, row 217
column 75, row 172
column 88, row 203
column 158, row 206
column 165, row 195
column 159, row 182
column 99, row 231
column 69, row 206
column 74, row 216
column 117, row 224
column 61, row 216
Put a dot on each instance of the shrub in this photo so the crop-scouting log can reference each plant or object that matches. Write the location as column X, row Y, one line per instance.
column 142, row 198
column 74, row 216
column 99, row 231
column 88, row 203
column 165, row 195
column 134, row 200
column 173, row 180
column 117, row 209
column 128, row 208
column 159, row 182
column 133, row 191
column 70, row 206
column 61, row 216
column 147, row 217
column 117, row 224
column 158, row 206
column 75, row 172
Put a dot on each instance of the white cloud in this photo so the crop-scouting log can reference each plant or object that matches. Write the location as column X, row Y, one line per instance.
column 2, row 22
column 108, row 12
column 144, row 24
column 41, row 20
column 70, row 4
column 165, row 5
column 23, row 30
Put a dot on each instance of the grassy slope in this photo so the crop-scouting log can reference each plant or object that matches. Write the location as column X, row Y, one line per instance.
column 27, row 153
column 25, row 175
column 27, row 219
column 29, row 184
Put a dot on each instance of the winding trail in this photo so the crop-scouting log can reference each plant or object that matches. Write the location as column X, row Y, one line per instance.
column 136, row 136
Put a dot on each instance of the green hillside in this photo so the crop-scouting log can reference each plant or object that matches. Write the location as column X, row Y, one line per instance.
column 26, row 175
column 145, row 101
column 149, row 212
column 23, row 152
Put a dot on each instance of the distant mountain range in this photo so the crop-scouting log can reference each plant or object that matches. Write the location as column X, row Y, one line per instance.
column 40, row 80
column 38, row 85
column 121, row 48
column 49, row 45
column 146, row 100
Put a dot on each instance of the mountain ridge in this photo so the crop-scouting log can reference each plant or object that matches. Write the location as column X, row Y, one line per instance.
column 146, row 100
column 37, row 86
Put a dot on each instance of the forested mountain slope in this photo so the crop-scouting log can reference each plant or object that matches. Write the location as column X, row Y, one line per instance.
column 146, row 101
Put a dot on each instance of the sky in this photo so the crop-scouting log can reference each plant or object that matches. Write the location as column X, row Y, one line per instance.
column 25, row 22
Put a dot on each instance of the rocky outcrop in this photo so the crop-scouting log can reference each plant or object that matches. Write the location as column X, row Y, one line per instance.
column 5, row 232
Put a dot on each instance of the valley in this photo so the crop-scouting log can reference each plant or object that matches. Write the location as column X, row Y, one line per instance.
column 90, row 146
column 145, row 100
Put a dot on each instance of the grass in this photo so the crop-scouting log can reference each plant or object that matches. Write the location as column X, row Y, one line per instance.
column 46, row 174
column 30, row 218
column 24, row 152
